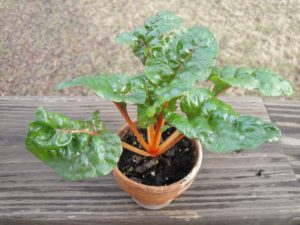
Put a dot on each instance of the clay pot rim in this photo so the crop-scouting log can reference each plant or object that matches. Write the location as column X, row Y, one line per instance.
column 170, row 187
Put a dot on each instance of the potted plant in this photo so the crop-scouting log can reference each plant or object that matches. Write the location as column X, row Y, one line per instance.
column 157, row 157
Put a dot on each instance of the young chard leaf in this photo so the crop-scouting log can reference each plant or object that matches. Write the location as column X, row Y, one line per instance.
column 118, row 88
column 142, row 39
column 266, row 81
column 74, row 149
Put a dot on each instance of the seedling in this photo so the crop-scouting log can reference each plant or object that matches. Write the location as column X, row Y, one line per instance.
column 176, row 60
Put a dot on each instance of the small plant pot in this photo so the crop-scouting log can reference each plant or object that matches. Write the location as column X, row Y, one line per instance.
column 157, row 197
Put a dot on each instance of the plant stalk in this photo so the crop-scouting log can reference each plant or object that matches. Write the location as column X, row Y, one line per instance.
column 157, row 135
column 136, row 150
column 150, row 134
column 171, row 140
column 132, row 126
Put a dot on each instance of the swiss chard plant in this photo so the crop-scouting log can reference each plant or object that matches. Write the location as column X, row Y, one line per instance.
column 176, row 60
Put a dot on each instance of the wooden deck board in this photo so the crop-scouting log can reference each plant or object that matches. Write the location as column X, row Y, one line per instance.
column 286, row 114
column 226, row 191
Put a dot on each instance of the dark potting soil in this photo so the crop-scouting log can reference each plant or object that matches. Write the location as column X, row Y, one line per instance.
column 165, row 169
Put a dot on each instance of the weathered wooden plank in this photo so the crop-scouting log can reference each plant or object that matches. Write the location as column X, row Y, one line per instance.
column 286, row 114
column 227, row 189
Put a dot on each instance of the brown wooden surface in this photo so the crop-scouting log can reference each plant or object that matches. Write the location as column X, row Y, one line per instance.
column 286, row 114
column 226, row 191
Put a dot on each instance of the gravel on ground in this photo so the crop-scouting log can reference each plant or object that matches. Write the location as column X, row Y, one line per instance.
column 44, row 42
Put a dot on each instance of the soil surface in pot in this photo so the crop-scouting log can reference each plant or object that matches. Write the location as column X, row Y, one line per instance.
column 165, row 169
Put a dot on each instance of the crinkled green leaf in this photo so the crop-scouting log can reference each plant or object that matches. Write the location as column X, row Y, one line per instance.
column 221, row 136
column 142, row 39
column 126, row 38
column 174, row 57
column 119, row 88
column 162, row 22
column 181, row 59
column 188, row 55
column 266, row 81
column 193, row 99
column 197, row 49
column 201, row 102
column 271, row 84
column 217, row 125
column 76, row 155
column 246, row 132
column 216, row 109
column 195, row 128
column 172, row 105
column 172, row 90
column 96, row 121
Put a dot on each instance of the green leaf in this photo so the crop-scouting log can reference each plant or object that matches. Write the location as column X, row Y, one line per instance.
column 119, row 88
column 222, row 136
column 162, row 22
column 96, row 121
column 144, row 118
column 188, row 55
column 217, row 125
column 150, row 111
column 174, row 57
column 246, row 132
column 195, row 128
column 126, row 38
column 143, row 38
column 193, row 99
column 63, row 144
column 201, row 102
column 271, row 84
column 179, row 61
column 172, row 90
column 266, row 81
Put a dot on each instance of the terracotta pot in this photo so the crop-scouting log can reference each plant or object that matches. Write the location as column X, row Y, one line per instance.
column 157, row 197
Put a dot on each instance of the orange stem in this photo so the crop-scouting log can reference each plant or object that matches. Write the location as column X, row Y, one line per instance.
column 132, row 126
column 171, row 141
column 136, row 150
column 150, row 134
column 157, row 135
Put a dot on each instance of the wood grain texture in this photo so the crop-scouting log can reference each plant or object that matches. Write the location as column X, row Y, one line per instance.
column 227, row 189
column 286, row 114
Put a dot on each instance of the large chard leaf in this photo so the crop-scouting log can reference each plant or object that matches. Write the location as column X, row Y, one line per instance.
column 65, row 145
column 119, row 88
column 218, row 126
column 187, row 55
column 266, row 81
column 181, row 59
column 177, row 61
